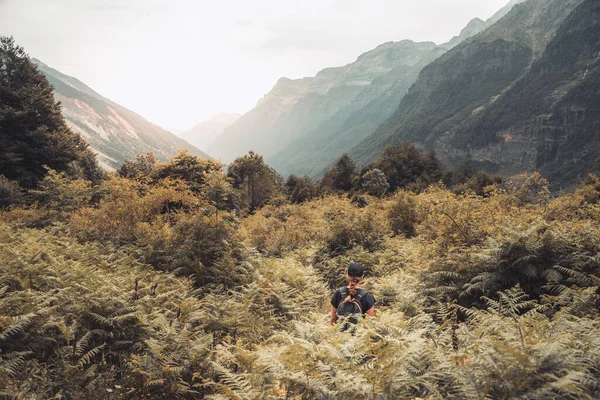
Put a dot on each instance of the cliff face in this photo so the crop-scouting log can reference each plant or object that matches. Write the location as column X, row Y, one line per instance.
column 114, row 132
column 550, row 119
column 449, row 106
column 354, row 115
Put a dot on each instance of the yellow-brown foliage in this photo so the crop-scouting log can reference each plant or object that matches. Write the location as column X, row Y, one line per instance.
column 127, row 205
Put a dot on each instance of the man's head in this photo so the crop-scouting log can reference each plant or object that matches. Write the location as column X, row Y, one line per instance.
column 355, row 272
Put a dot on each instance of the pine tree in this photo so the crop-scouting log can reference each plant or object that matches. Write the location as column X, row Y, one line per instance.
column 33, row 132
column 343, row 172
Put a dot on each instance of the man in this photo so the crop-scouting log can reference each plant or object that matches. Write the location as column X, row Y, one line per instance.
column 350, row 301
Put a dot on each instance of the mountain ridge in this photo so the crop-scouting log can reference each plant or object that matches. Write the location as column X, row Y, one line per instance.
column 302, row 125
column 204, row 133
column 114, row 132
column 464, row 81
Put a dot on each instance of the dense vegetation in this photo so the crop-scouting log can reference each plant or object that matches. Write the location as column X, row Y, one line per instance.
column 177, row 280
column 146, row 290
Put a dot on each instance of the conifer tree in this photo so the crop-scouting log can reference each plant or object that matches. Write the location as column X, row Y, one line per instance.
column 343, row 172
column 33, row 132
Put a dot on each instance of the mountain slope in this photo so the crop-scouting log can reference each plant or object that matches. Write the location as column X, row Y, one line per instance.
column 204, row 134
column 549, row 120
column 303, row 125
column 315, row 148
column 463, row 82
column 295, row 107
column 114, row 132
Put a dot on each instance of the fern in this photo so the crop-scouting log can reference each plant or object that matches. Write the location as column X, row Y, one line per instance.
column 20, row 325
column 87, row 358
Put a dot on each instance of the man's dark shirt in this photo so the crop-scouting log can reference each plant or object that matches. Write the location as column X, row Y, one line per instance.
column 366, row 302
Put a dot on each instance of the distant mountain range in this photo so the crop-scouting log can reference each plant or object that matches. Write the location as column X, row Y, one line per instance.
column 521, row 96
column 114, row 132
column 518, row 92
column 302, row 125
column 204, row 134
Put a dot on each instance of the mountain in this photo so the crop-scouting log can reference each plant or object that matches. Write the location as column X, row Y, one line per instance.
column 294, row 108
column 302, row 125
column 114, row 132
column 448, row 108
column 550, row 119
column 204, row 134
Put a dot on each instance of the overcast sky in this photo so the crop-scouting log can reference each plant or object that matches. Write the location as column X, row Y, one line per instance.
column 177, row 62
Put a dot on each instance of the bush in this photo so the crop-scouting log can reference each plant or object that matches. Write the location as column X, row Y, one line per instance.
column 276, row 230
column 300, row 189
column 59, row 193
column 351, row 226
column 127, row 204
column 529, row 188
column 402, row 214
column 195, row 245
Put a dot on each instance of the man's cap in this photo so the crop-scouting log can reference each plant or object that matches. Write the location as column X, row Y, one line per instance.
column 356, row 270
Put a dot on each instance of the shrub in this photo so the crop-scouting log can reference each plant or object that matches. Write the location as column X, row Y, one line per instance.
column 402, row 214
column 351, row 226
column 529, row 188
column 188, row 168
column 300, row 189
column 195, row 245
column 142, row 168
column 276, row 230
column 126, row 204
column 60, row 193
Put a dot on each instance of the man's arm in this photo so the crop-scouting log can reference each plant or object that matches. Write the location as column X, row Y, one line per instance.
column 333, row 315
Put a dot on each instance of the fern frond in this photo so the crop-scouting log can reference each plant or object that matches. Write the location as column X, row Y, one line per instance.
column 87, row 357
column 20, row 325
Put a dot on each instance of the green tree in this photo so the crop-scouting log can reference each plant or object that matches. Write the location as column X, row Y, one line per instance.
column 403, row 163
column 187, row 167
column 375, row 183
column 142, row 167
column 10, row 193
column 219, row 191
column 300, row 189
column 255, row 178
column 342, row 173
column 33, row 132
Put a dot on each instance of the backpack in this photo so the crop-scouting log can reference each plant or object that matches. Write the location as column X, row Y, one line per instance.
column 352, row 310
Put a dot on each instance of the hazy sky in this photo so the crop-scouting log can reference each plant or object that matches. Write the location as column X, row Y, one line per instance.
column 177, row 62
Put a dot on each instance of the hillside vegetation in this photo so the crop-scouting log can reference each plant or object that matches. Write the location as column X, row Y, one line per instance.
column 148, row 291
column 114, row 133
